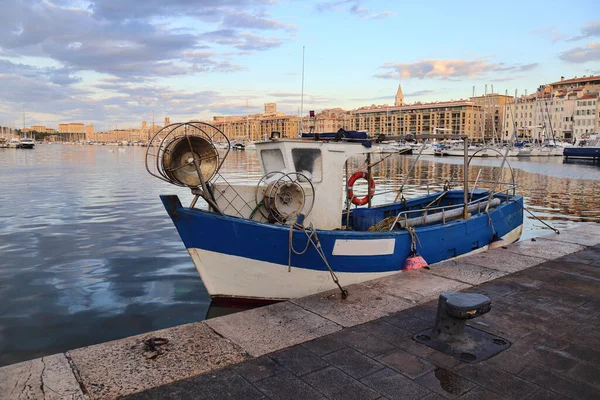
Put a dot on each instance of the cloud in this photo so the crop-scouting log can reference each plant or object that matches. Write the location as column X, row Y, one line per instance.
column 590, row 30
column 550, row 32
column 112, row 39
column 353, row 7
column 578, row 55
column 241, row 19
column 448, row 69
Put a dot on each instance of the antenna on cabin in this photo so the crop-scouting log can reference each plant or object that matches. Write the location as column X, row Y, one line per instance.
column 302, row 94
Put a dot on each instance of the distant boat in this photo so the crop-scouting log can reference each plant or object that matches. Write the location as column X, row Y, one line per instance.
column 14, row 143
column 238, row 146
column 3, row 143
column 27, row 143
column 588, row 147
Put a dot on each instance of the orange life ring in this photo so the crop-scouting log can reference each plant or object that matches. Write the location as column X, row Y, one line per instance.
column 360, row 201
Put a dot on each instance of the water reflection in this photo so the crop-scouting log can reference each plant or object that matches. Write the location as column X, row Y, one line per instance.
column 90, row 255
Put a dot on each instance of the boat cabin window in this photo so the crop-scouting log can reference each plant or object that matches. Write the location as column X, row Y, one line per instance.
column 309, row 162
column 272, row 160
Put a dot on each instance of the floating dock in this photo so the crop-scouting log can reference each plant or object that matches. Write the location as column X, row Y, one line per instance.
column 545, row 301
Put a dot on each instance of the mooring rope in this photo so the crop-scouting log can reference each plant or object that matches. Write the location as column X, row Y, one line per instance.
column 311, row 233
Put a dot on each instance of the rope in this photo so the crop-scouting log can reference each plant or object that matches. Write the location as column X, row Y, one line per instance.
column 317, row 245
column 414, row 239
column 536, row 217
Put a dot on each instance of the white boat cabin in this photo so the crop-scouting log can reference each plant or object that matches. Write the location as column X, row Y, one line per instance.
column 319, row 161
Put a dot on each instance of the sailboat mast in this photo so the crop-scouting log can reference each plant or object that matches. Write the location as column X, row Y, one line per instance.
column 302, row 94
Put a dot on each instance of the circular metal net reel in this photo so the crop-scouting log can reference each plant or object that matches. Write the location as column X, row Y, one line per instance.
column 286, row 197
column 183, row 156
column 183, row 153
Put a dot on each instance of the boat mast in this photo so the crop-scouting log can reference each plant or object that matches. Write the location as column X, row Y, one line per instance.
column 302, row 94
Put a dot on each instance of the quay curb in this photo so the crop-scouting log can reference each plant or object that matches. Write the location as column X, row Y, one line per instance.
column 125, row 366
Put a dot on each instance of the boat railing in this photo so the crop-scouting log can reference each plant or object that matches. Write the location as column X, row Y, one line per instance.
column 483, row 201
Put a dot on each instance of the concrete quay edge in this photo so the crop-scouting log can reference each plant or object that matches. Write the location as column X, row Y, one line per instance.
column 130, row 365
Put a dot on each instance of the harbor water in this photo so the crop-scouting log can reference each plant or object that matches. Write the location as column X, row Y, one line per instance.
column 88, row 254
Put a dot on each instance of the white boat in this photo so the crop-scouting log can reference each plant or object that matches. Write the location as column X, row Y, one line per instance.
column 14, row 143
column 27, row 143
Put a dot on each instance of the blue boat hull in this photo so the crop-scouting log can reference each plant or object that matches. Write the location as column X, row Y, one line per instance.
column 240, row 258
column 582, row 152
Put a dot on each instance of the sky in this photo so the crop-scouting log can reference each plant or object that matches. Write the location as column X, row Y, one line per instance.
column 112, row 63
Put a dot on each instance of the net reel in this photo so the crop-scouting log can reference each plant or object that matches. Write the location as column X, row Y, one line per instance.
column 286, row 196
column 184, row 154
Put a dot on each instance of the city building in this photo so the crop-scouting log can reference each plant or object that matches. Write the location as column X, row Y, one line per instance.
column 270, row 108
column 89, row 132
column 562, row 110
column 587, row 115
column 457, row 117
column 399, row 100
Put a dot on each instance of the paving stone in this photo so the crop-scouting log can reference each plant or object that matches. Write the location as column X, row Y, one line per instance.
column 384, row 331
column 223, row 384
column 298, row 360
column 363, row 304
column 559, row 360
column 586, row 373
column 286, row 386
column 123, row 367
column 393, row 385
column 334, row 384
column 406, row 363
column 479, row 393
column 422, row 312
column 418, row 349
column 271, row 328
column 543, row 248
column 503, row 260
column 415, row 286
column 48, row 377
column 445, row 383
column 546, row 395
column 442, row 360
column 559, row 383
column 363, row 341
column 324, row 345
column 502, row 383
column 588, row 256
column 468, row 273
column 433, row 396
column 258, row 368
column 185, row 389
column 584, row 353
column 514, row 359
column 353, row 363
column 409, row 324
column 587, row 234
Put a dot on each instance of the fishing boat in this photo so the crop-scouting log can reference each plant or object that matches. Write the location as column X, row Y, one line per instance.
column 3, row 143
column 587, row 147
column 305, row 226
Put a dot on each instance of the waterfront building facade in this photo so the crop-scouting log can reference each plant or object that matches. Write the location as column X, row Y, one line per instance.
column 462, row 117
column 587, row 115
column 561, row 110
